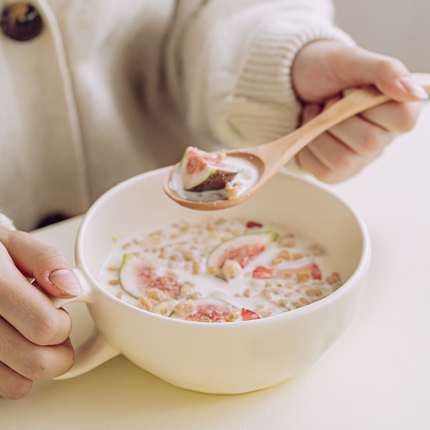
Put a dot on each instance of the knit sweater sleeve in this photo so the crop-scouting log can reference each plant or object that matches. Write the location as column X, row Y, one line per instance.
column 231, row 64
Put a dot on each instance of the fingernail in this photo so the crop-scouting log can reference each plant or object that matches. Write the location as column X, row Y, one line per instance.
column 414, row 88
column 67, row 281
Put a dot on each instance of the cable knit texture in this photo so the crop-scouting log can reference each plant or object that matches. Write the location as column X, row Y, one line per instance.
column 263, row 106
column 132, row 83
column 240, row 85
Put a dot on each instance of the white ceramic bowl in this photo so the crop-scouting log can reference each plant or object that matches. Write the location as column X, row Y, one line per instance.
column 219, row 358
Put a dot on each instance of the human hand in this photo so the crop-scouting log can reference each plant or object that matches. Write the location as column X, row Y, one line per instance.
column 325, row 70
column 34, row 335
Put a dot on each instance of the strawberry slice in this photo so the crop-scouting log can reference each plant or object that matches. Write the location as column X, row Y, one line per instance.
column 253, row 224
column 248, row 315
column 315, row 271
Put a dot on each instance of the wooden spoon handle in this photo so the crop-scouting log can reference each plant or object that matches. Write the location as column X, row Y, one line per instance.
column 359, row 100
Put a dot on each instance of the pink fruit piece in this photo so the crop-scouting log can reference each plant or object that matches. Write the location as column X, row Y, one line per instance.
column 144, row 275
column 315, row 271
column 214, row 310
column 311, row 266
column 137, row 275
column 242, row 254
column 248, row 315
column 208, row 309
column 262, row 272
column 204, row 171
column 167, row 284
column 253, row 224
column 241, row 249
column 209, row 313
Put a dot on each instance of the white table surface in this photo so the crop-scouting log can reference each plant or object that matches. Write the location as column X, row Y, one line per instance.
column 377, row 376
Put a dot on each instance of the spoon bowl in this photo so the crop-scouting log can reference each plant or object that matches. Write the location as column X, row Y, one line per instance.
column 246, row 154
column 270, row 157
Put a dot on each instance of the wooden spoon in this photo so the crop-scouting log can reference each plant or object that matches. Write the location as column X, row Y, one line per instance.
column 270, row 157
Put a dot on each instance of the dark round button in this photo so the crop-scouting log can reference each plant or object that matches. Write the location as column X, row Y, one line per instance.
column 21, row 21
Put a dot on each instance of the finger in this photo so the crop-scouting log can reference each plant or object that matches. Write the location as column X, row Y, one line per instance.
column 28, row 309
column 310, row 111
column 394, row 116
column 30, row 360
column 330, row 161
column 399, row 117
column 44, row 263
column 361, row 136
column 309, row 162
column 325, row 154
column 332, row 153
column 359, row 67
column 13, row 385
column 324, row 68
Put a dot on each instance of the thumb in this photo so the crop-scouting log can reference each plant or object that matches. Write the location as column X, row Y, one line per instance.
column 44, row 263
column 389, row 75
column 325, row 68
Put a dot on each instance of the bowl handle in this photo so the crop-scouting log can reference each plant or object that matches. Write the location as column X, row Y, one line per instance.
column 95, row 349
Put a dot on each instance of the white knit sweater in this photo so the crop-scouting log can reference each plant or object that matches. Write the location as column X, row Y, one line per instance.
column 111, row 89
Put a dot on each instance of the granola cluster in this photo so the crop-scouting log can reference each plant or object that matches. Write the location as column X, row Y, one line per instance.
column 292, row 272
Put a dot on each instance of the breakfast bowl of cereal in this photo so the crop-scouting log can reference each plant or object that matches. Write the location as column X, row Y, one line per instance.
column 225, row 302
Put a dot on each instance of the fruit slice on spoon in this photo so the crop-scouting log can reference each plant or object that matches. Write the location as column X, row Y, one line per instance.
column 203, row 171
column 270, row 157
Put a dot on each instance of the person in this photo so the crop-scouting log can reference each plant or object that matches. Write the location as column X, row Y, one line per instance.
column 95, row 93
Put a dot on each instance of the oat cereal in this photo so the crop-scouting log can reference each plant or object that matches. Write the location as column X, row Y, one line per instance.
column 208, row 177
column 220, row 270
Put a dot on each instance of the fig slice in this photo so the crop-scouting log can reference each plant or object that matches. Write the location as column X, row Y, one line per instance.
column 288, row 268
column 240, row 249
column 207, row 310
column 204, row 171
column 215, row 311
column 136, row 275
